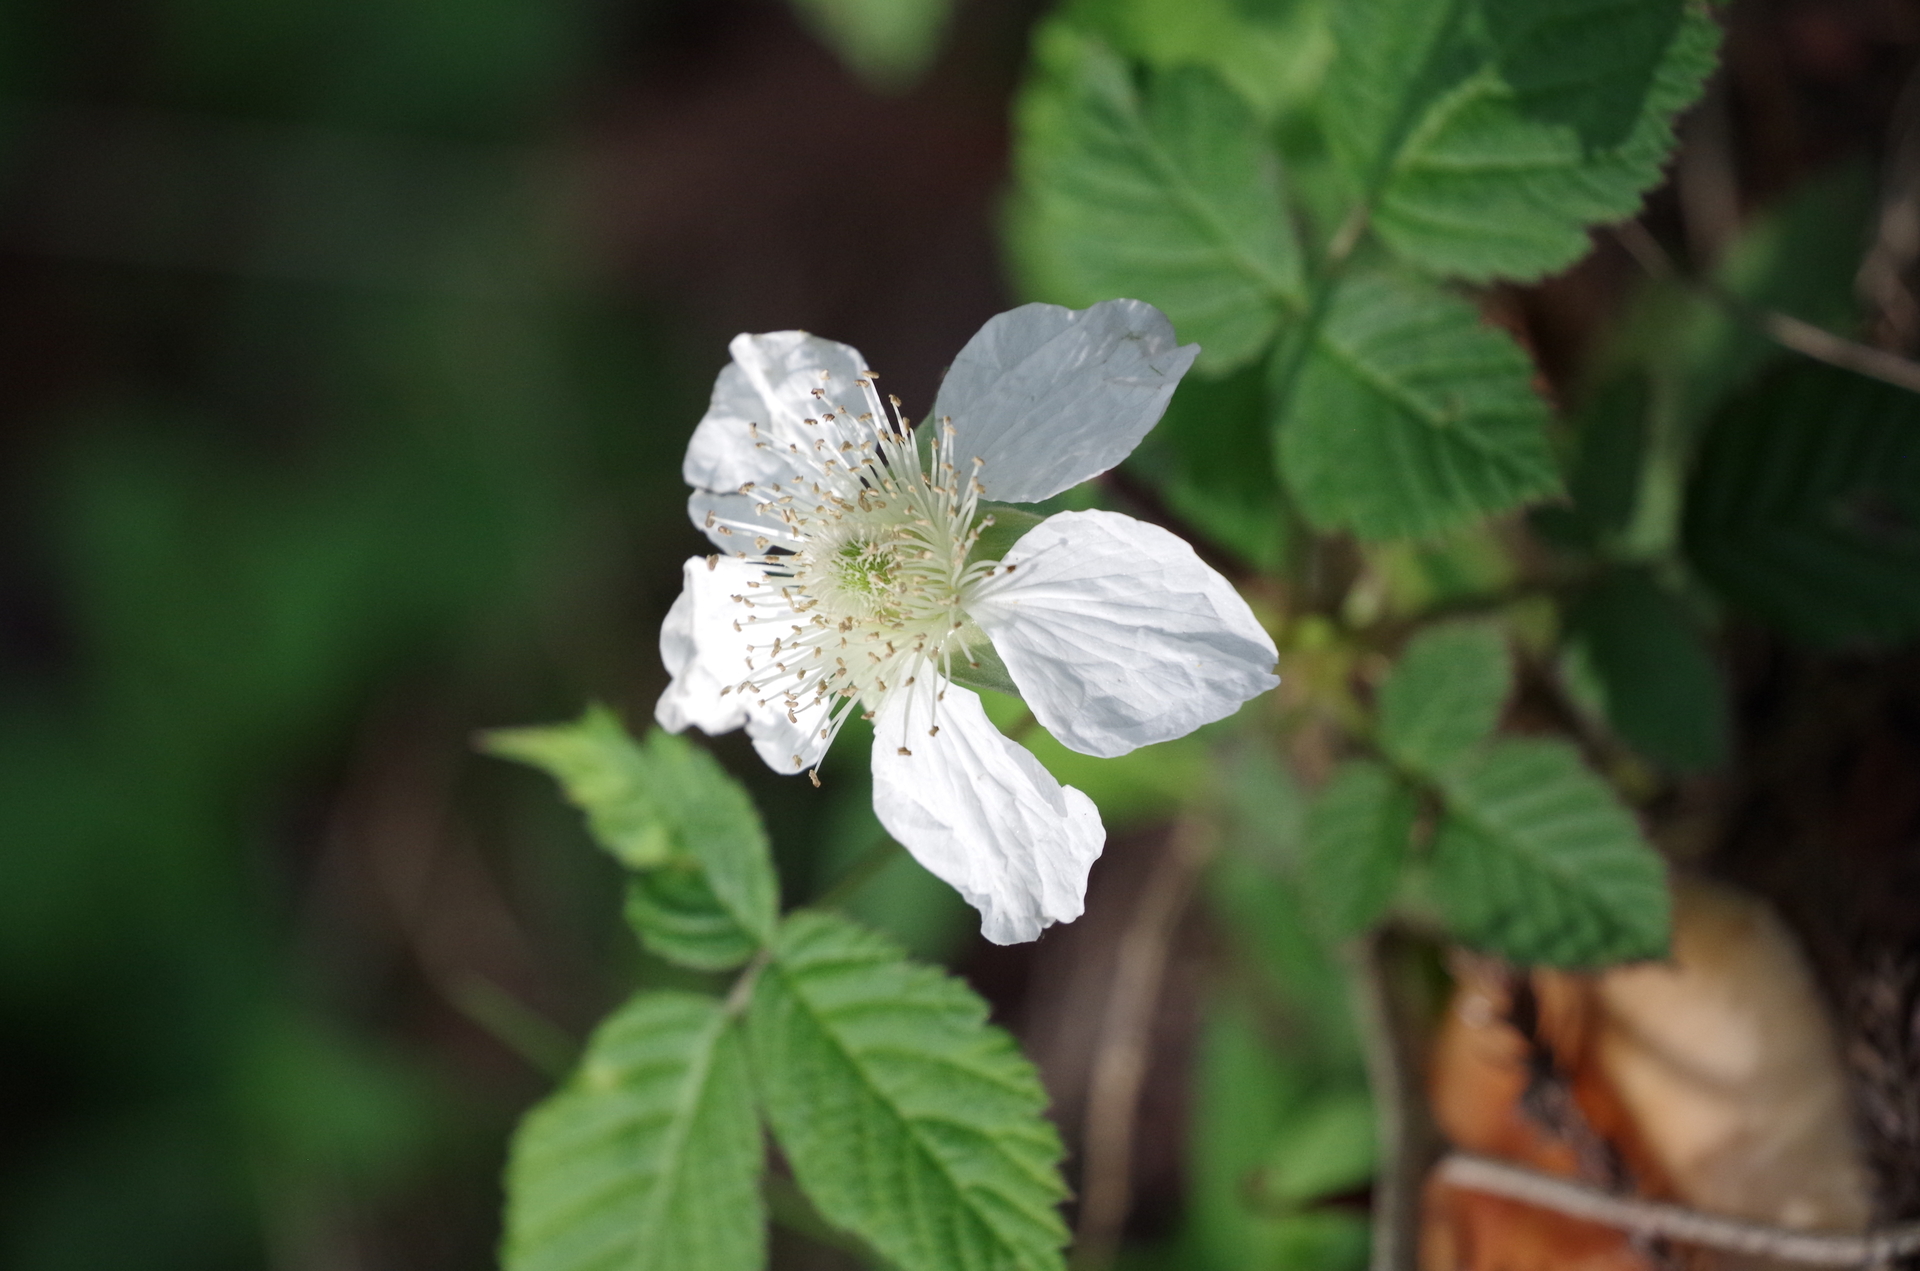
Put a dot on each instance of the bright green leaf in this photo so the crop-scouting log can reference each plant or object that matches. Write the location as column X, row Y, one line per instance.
column 908, row 1119
column 1444, row 696
column 1487, row 135
column 1661, row 688
column 1357, row 838
column 1324, row 1149
column 1166, row 191
column 1274, row 53
column 1805, row 506
column 1410, row 416
column 665, row 806
column 888, row 43
column 1536, row 861
column 649, row 1158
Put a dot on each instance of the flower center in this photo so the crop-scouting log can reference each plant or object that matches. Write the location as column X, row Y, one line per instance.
column 877, row 576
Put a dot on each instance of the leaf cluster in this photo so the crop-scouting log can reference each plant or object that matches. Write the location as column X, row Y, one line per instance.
column 912, row 1127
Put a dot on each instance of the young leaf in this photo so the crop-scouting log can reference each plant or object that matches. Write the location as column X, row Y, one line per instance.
column 1444, row 696
column 1662, row 691
column 1485, row 136
column 649, row 1158
column 1409, row 415
column 1537, row 862
column 1356, row 842
column 665, row 806
column 1168, row 192
column 1805, row 506
column 908, row 1119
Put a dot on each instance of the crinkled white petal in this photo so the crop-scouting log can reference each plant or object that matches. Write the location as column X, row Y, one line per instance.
column 1118, row 636
column 981, row 813
column 1049, row 397
column 693, row 698
column 756, row 428
column 736, row 524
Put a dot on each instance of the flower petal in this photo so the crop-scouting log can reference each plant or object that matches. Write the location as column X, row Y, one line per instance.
column 1048, row 397
column 1118, row 635
column 694, row 697
column 756, row 427
column 713, row 664
column 981, row 812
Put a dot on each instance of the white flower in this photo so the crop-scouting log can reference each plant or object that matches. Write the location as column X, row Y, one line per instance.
column 851, row 579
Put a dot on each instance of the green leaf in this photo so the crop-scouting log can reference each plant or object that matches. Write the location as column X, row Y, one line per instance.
column 1485, row 136
column 887, row 43
column 1357, row 838
column 1274, row 53
column 649, row 1158
column 1410, row 416
column 1536, row 861
column 665, row 806
column 908, row 1119
column 605, row 774
column 1805, row 506
column 1444, row 696
column 1661, row 688
column 1166, row 191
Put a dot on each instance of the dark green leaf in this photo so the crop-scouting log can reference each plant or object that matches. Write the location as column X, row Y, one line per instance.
column 1805, row 506
column 649, row 1158
column 1485, row 136
column 1662, row 690
column 1357, row 839
column 1444, row 696
column 1167, row 192
column 1410, row 416
column 908, row 1119
column 1536, row 861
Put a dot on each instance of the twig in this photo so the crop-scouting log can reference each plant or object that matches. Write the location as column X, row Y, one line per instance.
column 1676, row 1222
column 1783, row 329
column 1120, row 1062
column 1407, row 1140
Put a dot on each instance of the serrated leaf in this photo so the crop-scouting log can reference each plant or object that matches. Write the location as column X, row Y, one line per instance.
column 649, row 1158
column 888, row 43
column 1166, row 191
column 1410, row 416
column 1357, row 835
column 1661, row 689
column 1805, row 505
column 1444, row 696
column 908, row 1119
column 1535, row 860
column 665, row 805
column 1487, row 135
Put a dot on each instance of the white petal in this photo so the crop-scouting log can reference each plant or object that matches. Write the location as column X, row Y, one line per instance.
column 1118, row 635
column 737, row 523
column 789, row 744
column 981, row 813
column 1048, row 397
column 756, row 428
column 694, row 697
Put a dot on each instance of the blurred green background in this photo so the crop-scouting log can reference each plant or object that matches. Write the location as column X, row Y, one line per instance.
column 347, row 354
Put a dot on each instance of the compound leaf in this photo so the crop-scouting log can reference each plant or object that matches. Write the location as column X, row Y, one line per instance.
column 908, row 1119
column 1536, row 861
column 1165, row 190
column 649, row 1158
column 1410, row 416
